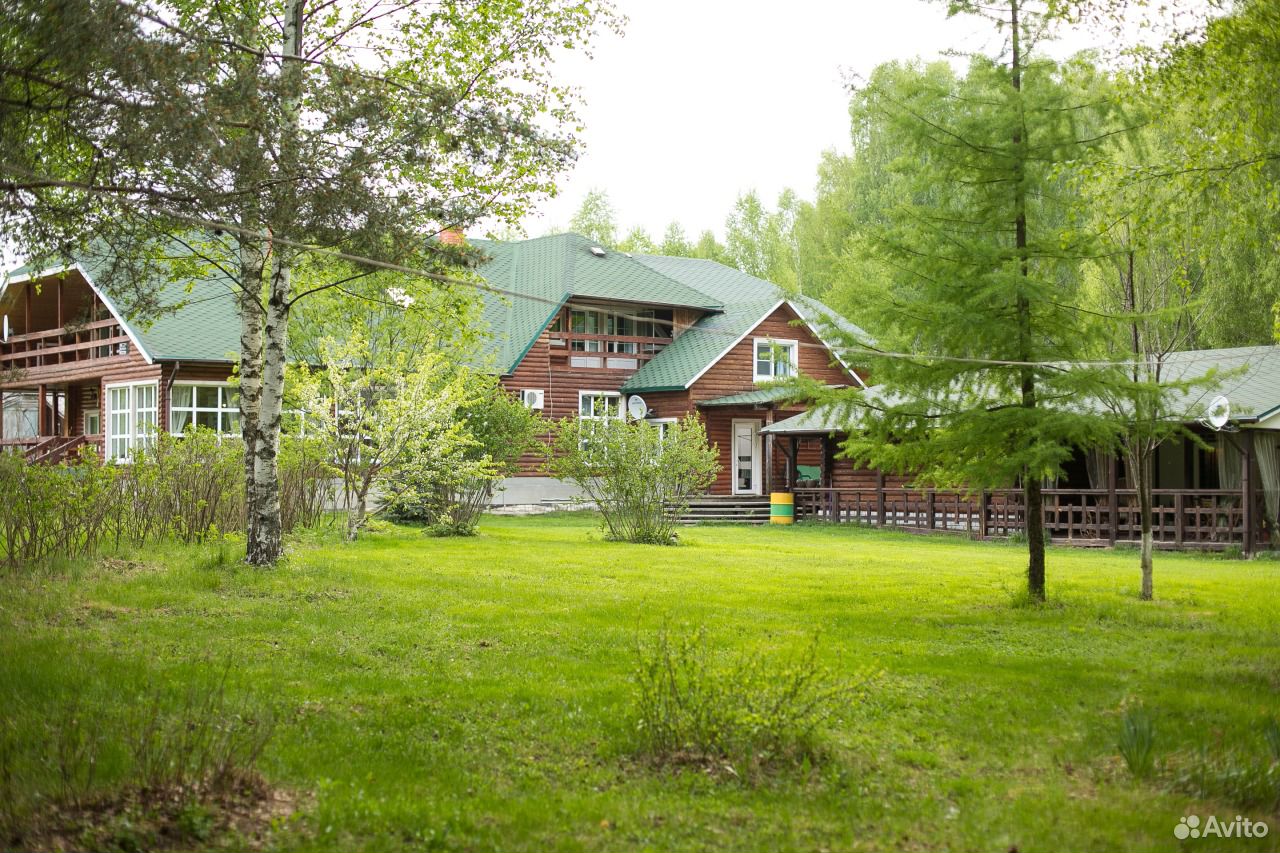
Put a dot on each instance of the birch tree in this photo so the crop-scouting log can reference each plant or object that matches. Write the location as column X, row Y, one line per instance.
column 343, row 127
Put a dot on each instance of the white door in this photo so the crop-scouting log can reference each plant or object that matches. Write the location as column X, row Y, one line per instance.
column 746, row 457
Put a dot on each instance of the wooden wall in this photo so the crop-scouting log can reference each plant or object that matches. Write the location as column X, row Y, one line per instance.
column 732, row 374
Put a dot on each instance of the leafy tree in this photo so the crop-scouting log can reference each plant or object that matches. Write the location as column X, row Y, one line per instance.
column 760, row 242
column 383, row 416
column 638, row 242
column 293, row 125
column 640, row 478
column 500, row 430
column 986, row 279
column 1217, row 92
column 674, row 242
column 709, row 248
column 595, row 219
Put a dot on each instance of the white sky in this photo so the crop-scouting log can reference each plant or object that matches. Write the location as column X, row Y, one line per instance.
column 701, row 100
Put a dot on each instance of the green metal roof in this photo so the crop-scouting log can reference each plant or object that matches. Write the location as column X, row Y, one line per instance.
column 1252, row 383
column 747, row 300
column 822, row 420
column 541, row 274
column 767, row 394
column 195, row 319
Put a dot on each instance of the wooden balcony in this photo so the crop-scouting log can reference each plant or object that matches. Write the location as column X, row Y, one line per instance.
column 1212, row 519
column 561, row 348
column 55, row 354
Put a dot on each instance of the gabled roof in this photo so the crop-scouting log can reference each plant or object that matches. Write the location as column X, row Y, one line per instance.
column 747, row 302
column 543, row 273
column 204, row 327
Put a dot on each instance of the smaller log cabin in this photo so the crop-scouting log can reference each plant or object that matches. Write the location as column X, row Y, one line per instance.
column 588, row 332
column 74, row 370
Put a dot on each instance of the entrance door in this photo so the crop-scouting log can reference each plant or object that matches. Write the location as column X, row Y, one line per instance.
column 746, row 457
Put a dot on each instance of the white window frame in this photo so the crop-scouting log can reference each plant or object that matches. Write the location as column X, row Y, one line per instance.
column 662, row 424
column 772, row 343
column 613, row 395
column 756, row 456
column 195, row 409
column 135, row 437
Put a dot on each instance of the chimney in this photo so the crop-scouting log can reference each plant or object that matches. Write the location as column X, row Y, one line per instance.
column 453, row 237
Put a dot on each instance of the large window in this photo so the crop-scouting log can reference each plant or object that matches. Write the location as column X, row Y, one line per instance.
column 131, row 418
column 209, row 405
column 641, row 323
column 774, row 359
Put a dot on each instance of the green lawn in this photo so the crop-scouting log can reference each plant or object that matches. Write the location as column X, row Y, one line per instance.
column 475, row 694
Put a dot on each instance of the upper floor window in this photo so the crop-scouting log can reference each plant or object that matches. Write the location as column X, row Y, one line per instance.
column 775, row 359
column 641, row 323
column 214, row 406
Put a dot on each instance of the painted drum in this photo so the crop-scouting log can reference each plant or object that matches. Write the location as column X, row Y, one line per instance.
column 782, row 508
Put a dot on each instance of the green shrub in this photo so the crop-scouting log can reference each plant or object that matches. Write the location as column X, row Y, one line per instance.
column 693, row 706
column 639, row 478
column 161, row 767
column 189, row 488
column 450, row 502
column 1137, row 741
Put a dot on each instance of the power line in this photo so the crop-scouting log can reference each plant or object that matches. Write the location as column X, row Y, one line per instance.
column 845, row 349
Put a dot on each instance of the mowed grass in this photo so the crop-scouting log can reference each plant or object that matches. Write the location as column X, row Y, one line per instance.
column 476, row 694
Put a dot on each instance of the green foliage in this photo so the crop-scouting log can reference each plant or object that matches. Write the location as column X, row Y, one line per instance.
column 1137, row 741
column 378, row 412
column 640, row 479
column 595, row 219
column 450, row 499
column 187, row 487
column 761, row 242
column 693, row 706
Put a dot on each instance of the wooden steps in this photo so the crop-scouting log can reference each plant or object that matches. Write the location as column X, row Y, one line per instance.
column 727, row 509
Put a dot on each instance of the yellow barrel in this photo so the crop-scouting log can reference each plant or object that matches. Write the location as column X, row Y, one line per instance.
column 782, row 508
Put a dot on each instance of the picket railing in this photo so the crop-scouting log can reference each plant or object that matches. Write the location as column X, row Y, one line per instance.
column 1193, row 518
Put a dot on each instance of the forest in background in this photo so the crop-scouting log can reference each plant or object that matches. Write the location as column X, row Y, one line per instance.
column 1184, row 181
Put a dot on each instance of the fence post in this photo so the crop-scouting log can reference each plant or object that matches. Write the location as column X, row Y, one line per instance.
column 982, row 515
column 1179, row 517
column 1113, row 503
column 1246, row 488
column 879, row 498
column 928, row 508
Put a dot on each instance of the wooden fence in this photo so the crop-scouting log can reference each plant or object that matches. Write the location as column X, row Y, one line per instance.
column 1180, row 518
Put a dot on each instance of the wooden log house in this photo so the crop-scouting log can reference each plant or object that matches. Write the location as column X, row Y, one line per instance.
column 74, row 370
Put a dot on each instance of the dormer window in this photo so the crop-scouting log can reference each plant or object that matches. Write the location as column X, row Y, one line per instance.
column 775, row 359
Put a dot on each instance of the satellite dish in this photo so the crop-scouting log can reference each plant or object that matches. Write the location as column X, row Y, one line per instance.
column 1218, row 413
column 637, row 407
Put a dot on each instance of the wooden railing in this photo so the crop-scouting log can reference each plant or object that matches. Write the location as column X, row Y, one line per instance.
column 69, row 344
column 1199, row 518
column 562, row 347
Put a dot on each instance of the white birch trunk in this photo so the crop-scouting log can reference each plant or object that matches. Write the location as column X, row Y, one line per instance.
column 264, row 545
column 251, row 260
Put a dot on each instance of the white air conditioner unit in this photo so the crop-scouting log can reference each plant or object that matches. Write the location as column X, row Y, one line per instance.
column 533, row 398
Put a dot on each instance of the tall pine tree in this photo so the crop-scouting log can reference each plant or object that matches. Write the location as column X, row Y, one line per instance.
column 984, row 276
